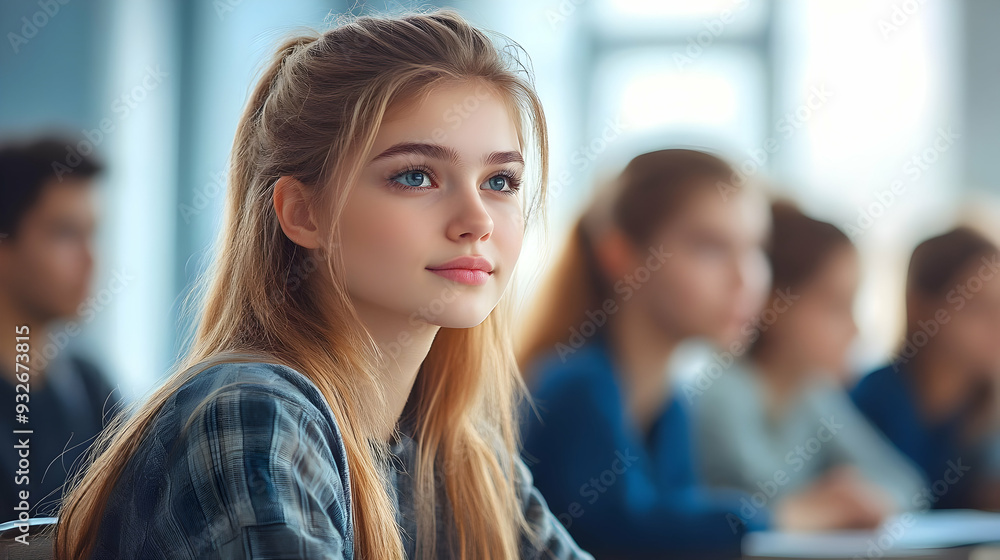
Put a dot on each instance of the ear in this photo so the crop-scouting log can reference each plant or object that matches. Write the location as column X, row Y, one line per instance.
column 294, row 211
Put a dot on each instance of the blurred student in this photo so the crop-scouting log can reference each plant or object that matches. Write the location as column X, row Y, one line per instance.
column 656, row 259
column 937, row 400
column 779, row 423
column 47, row 222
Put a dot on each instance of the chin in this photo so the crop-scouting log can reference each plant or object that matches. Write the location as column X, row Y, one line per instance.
column 461, row 320
column 465, row 316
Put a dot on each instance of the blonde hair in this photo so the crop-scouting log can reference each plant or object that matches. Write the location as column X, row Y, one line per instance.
column 313, row 115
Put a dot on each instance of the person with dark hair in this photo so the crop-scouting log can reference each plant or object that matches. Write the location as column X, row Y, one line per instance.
column 778, row 423
column 937, row 399
column 47, row 222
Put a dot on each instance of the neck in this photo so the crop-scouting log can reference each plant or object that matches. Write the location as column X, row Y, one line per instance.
column 642, row 351
column 404, row 345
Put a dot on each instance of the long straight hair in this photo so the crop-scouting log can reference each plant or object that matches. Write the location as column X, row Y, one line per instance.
column 313, row 116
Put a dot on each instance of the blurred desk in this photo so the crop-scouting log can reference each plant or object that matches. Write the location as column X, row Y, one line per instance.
column 945, row 534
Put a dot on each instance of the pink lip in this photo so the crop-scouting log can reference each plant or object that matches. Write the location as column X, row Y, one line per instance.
column 464, row 275
column 467, row 269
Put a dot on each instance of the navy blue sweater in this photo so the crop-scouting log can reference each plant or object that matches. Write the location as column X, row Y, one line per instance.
column 886, row 396
column 618, row 491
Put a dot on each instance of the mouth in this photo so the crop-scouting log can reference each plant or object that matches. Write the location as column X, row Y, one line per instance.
column 472, row 270
column 468, row 276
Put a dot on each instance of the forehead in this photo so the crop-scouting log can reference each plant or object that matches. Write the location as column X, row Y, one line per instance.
column 471, row 117
column 70, row 194
column 704, row 206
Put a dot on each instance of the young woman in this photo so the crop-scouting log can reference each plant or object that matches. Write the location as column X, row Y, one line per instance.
column 938, row 399
column 350, row 389
column 659, row 257
column 779, row 423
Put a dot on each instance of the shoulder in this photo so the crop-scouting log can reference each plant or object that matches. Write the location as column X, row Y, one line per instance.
column 878, row 385
column 826, row 403
column 254, row 380
column 256, row 447
column 255, row 404
column 573, row 372
column 729, row 393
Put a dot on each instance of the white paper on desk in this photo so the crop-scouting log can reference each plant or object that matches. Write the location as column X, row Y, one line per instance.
column 918, row 532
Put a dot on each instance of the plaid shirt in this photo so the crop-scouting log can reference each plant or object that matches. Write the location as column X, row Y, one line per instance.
column 261, row 472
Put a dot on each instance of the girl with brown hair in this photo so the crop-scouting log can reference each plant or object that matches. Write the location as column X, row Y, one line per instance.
column 938, row 398
column 351, row 388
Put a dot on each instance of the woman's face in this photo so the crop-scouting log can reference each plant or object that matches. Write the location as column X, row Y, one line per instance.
column 714, row 278
column 816, row 330
column 441, row 182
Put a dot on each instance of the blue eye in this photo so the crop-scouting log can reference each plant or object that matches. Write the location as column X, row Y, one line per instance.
column 413, row 178
column 504, row 183
column 498, row 182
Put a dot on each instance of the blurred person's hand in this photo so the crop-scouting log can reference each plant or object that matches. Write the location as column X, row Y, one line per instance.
column 841, row 499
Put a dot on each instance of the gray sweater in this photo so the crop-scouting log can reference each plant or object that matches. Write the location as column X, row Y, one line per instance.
column 740, row 446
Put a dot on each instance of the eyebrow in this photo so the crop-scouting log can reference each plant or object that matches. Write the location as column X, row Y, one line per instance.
column 445, row 153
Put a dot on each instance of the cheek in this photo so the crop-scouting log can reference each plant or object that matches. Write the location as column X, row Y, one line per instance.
column 970, row 335
column 702, row 286
column 508, row 234
column 685, row 296
column 380, row 241
column 47, row 280
column 828, row 333
column 54, row 266
column 66, row 262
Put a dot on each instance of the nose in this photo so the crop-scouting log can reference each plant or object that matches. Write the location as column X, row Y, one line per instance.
column 470, row 219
